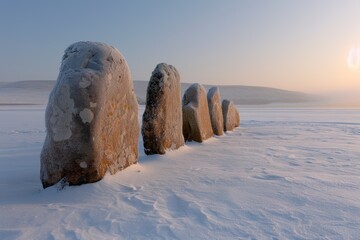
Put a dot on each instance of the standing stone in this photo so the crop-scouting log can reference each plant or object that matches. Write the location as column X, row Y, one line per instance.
column 231, row 115
column 196, row 117
column 91, row 117
column 216, row 116
column 162, row 119
column 237, row 118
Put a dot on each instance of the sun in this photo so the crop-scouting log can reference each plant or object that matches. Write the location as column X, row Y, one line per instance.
column 354, row 58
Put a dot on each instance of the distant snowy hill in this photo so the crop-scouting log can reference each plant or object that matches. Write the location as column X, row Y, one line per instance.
column 37, row 92
column 242, row 95
column 25, row 92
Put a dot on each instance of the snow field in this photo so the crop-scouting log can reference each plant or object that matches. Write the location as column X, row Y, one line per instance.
column 284, row 174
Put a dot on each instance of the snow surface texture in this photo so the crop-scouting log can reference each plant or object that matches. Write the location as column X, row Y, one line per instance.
column 284, row 174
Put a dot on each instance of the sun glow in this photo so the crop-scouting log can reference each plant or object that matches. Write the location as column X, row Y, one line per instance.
column 354, row 58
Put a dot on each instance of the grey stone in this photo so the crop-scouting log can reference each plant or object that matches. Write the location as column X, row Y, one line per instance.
column 237, row 118
column 162, row 118
column 231, row 115
column 196, row 117
column 215, row 110
column 91, row 117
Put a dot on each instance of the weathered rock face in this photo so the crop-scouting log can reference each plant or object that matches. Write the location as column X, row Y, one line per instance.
column 91, row 117
column 162, row 118
column 237, row 118
column 196, row 117
column 231, row 115
column 216, row 116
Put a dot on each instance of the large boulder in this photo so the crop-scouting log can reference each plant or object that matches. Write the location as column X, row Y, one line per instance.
column 237, row 118
column 196, row 117
column 91, row 117
column 231, row 115
column 162, row 118
column 216, row 116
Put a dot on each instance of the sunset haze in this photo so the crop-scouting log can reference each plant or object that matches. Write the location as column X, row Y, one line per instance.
column 293, row 45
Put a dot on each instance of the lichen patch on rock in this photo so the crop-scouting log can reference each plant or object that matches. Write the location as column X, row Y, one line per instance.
column 61, row 115
column 83, row 165
column 86, row 115
column 84, row 82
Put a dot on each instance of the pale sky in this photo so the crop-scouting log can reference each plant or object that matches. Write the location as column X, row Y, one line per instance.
column 290, row 44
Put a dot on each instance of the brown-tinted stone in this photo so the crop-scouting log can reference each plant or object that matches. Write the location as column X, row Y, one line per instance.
column 231, row 115
column 216, row 116
column 196, row 117
column 91, row 117
column 237, row 118
column 162, row 118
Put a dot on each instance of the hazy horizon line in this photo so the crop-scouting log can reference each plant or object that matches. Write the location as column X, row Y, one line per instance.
column 318, row 92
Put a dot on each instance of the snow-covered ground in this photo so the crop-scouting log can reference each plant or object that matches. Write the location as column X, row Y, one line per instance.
column 284, row 174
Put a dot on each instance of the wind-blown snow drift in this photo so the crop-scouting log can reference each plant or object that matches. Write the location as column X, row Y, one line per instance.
column 284, row 174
